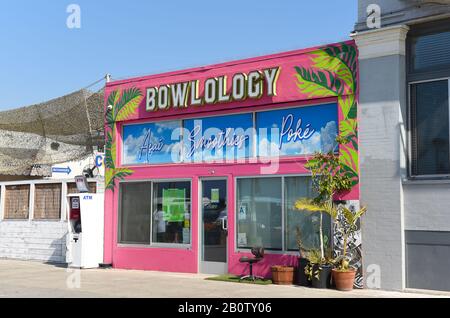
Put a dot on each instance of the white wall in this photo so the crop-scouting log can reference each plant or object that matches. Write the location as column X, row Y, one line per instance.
column 33, row 240
column 42, row 240
column 427, row 206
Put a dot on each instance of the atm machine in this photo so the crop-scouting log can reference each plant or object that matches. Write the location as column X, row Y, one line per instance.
column 85, row 233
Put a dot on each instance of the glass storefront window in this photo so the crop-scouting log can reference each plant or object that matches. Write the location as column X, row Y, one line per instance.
column 303, row 225
column 259, row 213
column 171, row 214
column 135, row 212
column 158, row 216
column 261, row 207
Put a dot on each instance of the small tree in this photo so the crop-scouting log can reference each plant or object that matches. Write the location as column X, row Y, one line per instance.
column 328, row 179
column 347, row 224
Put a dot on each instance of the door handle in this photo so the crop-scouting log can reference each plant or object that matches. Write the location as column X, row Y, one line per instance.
column 225, row 228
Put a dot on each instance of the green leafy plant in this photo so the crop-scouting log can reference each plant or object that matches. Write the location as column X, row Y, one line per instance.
column 329, row 179
column 347, row 225
column 316, row 264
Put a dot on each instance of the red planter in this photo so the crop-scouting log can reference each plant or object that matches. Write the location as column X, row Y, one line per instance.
column 344, row 280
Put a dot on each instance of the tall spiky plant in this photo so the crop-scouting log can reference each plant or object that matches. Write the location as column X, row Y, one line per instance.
column 328, row 179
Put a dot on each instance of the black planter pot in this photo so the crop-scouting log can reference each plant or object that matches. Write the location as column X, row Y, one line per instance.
column 301, row 279
column 324, row 280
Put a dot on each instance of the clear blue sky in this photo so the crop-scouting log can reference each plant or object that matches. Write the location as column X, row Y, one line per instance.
column 40, row 58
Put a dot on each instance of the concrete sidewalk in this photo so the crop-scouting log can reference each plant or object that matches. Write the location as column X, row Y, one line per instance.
column 33, row 279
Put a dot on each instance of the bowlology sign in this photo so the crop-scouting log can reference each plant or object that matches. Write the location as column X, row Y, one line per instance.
column 253, row 85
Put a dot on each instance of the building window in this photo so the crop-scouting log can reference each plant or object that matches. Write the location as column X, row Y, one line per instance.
column 428, row 78
column 135, row 213
column 303, row 226
column 259, row 213
column 430, row 51
column 171, row 214
column 155, row 213
column 47, row 201
column 262, row 206
column 430, row 128
column 17, row 202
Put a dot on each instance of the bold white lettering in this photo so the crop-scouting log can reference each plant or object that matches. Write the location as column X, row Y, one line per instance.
column 179, row 93
column 239, row 87
column 223, row 97
column 152, row 93
column 211, row 90
column 195, row 99
column 255, row 87
column 271, row 76
column 163, row 97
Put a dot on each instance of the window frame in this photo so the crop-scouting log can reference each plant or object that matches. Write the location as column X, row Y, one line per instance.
column 30, row 202
column 411, row 128
column 439, row 26
column 37, row 185
column 418, row 77
column 284, row 250
column 152, row 244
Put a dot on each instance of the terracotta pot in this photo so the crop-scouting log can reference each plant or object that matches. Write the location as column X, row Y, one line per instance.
column 344, row 280
column 282, row 275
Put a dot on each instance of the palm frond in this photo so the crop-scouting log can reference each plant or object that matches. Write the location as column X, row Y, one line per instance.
column 128, row 103
column 109, row 151
column 306, row 204
column 323, row 60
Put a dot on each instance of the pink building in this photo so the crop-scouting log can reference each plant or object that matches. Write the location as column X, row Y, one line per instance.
column 205, row 163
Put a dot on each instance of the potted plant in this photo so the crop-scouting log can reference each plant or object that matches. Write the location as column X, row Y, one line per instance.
column 282, row 275
column 302, row 262
column 329, row 179
column 347, row 224
column 318, row 270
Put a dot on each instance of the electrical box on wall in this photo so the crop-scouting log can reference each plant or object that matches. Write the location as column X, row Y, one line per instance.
column 85, row 233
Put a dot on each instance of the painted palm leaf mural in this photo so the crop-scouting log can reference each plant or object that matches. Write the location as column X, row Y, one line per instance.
column 124, row 104
column 333, row 72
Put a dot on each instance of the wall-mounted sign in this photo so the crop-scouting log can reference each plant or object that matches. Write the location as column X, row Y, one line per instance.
column 218, row 138
column 253, row 84
column 64, row 170
column 242, row 239
column 242, row 213
column 297, row 131
column 285, row 132
column 173, row 204
column 215, row 195
column 151, row 143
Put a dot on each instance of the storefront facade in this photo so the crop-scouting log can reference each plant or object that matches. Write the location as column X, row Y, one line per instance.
column 404, row 69
column 203, row 164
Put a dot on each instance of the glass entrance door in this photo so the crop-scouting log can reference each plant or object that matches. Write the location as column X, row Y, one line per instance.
column 214, row 226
